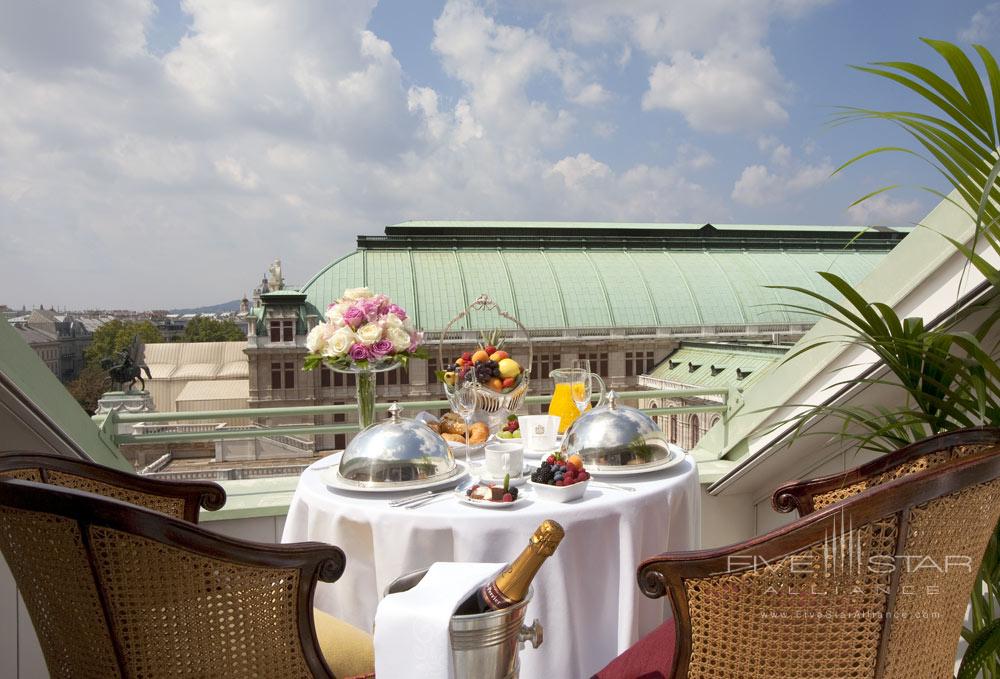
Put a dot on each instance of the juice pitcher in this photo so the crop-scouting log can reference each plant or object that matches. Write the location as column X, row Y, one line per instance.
column 572, row 393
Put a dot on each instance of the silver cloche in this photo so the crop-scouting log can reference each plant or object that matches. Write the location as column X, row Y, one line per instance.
column 396, row 452
column 614, row 436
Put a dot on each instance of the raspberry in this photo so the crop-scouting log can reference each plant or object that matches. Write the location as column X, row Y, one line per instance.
column 551, row 459
column 560, row 482
column 507, row 497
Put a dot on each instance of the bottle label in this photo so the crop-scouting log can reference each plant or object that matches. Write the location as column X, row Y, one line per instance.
column 494, row 598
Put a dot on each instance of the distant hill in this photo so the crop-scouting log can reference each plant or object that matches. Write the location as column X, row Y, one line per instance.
column 225, row 307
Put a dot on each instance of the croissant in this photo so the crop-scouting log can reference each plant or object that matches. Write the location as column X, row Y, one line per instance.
column 479, row 432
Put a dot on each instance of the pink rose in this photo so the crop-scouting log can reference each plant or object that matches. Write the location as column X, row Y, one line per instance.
column 354, row 317
column 398, row 310
column 416, row 339
column 359, row 352
column 381, row 348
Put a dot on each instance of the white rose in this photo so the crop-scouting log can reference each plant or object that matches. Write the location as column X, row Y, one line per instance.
column 352, row 294
column 369, row 333
column 316, row 339
column 400, row 339
column 393, row 321
column 340, row 342
column 335, row 314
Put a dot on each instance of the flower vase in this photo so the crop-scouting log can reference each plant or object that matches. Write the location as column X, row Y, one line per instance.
column 365, row 382
column 366, row 398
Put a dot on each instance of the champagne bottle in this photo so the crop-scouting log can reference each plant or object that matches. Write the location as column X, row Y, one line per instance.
column 511, row 584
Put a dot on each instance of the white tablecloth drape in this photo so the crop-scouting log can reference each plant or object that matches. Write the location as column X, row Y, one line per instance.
column 585, row 595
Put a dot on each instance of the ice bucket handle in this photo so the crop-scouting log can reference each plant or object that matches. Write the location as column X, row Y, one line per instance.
column 535, row 634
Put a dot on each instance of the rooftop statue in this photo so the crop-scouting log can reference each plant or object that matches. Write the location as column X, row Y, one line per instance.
column 276, row 281
column 127, row 366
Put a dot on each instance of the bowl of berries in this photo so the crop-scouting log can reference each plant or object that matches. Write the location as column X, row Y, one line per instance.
column 560, row 479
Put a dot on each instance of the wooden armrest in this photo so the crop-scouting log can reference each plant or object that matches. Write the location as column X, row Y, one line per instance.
column 800, row 495
column 194, row 495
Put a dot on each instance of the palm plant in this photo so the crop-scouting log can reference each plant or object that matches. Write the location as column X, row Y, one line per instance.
column 946, row 378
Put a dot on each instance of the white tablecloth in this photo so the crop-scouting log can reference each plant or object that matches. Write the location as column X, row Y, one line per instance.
column 586, row 595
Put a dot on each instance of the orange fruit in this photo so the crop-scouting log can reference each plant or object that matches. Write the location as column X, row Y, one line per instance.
column 576, row 461
column 496, row 384
column 480, row 356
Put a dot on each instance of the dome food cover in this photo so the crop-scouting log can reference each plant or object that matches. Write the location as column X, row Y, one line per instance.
column 396, row 452
column 614, row 437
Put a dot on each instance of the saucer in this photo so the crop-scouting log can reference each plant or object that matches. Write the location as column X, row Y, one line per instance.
column 480, row 473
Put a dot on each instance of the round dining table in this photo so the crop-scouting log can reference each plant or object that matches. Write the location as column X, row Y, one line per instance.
column 585, row 596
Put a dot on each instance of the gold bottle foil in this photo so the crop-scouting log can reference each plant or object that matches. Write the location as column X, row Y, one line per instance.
column 511, row 585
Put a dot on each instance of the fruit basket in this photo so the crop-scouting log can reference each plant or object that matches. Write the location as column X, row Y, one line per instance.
column 503, row 383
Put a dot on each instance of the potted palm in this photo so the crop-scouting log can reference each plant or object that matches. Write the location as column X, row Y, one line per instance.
column 945, row 377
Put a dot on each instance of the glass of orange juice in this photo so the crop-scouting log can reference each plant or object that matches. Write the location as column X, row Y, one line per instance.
column 570, row 387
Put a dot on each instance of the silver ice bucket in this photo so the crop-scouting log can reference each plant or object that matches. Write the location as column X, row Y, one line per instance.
column 484, row 646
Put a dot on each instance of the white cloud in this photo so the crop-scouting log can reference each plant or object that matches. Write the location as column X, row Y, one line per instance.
column 694, row 157
column 283, row 129
column 725, row 91
column 591, row 95
column 713, row 65
column 882, row 210
column 983, row 25
column 759, row 186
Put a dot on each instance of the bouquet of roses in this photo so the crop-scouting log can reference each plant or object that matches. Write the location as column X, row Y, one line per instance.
column 363, row 330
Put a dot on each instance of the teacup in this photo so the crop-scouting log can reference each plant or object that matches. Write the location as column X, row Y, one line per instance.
column 539, row 431
column 503, row 459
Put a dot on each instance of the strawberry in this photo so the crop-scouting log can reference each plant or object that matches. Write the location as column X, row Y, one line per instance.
column 490, row 349
column 467, row 356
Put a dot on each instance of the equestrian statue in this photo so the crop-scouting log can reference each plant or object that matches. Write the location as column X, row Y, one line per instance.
column 127, row 366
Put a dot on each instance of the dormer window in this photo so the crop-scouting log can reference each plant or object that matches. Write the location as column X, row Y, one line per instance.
column 283, row 330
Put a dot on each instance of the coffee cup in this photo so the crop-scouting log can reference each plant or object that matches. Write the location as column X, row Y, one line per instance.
column 503, row 459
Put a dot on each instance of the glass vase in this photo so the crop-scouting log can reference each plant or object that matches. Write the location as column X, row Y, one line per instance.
column 365, row 382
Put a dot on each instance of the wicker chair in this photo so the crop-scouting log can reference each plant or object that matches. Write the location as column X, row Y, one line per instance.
column 808, row 496
column 181, row 499
column 871, row 586
column 115, row 590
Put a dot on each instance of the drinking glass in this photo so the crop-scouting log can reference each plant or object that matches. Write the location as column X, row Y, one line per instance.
column 464, row 405
column 584, row 389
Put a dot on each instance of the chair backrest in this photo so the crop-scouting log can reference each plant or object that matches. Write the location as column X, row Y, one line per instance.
column 114, row 590
column 182, row 499
column 875, row 586
column 810, row 495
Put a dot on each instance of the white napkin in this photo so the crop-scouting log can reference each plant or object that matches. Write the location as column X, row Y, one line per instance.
column 411, row 628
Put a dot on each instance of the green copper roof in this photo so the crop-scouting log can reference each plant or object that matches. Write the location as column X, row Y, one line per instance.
column 575, row 287
column 707, row 365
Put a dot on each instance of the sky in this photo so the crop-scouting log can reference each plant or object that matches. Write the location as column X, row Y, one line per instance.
column 161, row 154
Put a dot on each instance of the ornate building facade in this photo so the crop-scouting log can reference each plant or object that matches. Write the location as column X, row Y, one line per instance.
column 623, row 295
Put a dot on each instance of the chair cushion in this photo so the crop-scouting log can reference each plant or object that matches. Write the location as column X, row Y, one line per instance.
column 652, row 657
column 347, row 650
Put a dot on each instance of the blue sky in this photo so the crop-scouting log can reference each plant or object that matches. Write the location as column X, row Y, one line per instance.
column 156, row 155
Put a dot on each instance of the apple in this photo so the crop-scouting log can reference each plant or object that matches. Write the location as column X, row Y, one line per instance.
column 509, row 368
column 499, row 356
column 480, row 356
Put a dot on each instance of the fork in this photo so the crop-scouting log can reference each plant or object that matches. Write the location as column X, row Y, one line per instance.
column 399, row 502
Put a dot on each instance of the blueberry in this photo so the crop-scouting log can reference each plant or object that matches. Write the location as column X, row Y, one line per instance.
column 558, row 476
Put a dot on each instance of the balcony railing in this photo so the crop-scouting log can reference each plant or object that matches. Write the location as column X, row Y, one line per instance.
column 110, row 422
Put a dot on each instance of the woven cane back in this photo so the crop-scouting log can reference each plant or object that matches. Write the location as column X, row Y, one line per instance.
column 118, row 591
column 921, row 463
column 873, row 588
column 178, row 499
column 175, row 612
column 744, row 624
column 930, row 605
column 49, row 561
